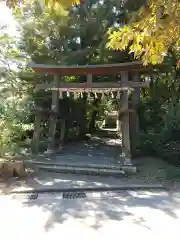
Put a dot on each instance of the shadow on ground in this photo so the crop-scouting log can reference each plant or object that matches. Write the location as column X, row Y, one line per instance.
column 143, row 208
column 139, row 208
column 97, row 150
column 147, row 209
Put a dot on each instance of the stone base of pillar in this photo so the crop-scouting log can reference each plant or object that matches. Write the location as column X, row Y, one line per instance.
column 60, row 148
column 126, row 163
column 49, row 152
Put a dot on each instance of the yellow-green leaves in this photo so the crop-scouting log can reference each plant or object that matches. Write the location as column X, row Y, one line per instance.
column 149, row 35
column 64, row 3
column 55, row 4
column 119, row 40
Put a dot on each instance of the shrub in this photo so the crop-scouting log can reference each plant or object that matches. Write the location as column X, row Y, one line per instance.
column 165, row 142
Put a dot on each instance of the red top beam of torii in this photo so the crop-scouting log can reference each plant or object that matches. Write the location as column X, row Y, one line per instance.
column 104, row 69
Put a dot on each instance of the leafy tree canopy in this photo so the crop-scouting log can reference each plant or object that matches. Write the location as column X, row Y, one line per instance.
column 152, row 31
column 50, row 3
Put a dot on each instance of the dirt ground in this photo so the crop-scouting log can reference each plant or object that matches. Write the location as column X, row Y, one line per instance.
column 98, row 150
column 150, row 171
column 151, row 214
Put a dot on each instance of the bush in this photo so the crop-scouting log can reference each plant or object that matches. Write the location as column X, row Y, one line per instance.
column 14, row 114
column 166, row 142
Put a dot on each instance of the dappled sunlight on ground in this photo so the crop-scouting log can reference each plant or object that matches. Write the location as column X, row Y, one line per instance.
column 57, row 180
column 127, row 214
column 100, row 216
column 97, row 150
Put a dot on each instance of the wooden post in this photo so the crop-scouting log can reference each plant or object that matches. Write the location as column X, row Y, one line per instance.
column 53, row 117
column 36, row 135
column 126, row 148
column 63, row 129
column 133, row 120
column 89, row 79
column 83, row 105
column 118, row 121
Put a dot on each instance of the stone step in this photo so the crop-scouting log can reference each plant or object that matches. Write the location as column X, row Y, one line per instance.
column 126, row 168
column 92, row 169
column 74, row 164
column 81, row 170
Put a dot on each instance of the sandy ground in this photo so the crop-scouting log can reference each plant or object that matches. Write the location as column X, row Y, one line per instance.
column 150, row 171
column 127, row 214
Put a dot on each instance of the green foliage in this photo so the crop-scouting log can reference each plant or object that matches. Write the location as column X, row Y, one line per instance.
column 51, row 38
column 14, row 111
column 152, row 31
column 14, row 97
column 163, row 140
column 56, row 5
column 51, row 35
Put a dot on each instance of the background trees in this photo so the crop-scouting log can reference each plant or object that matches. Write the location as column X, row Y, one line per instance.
column 151, row 32
column 62, row 34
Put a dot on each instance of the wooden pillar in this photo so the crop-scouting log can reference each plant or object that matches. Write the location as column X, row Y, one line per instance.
column 89, row 79
column 91, row 123
column 83, row 105
column 53, row 117
column 118, row 121
column 63, row 128
column 36, row 135
column 126, row 147
column 134, row 121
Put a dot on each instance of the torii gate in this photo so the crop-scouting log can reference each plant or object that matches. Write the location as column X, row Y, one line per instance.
column 129, row 119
